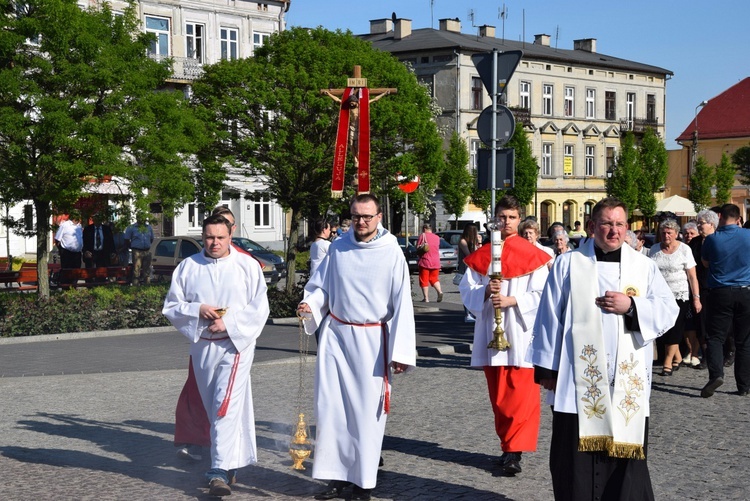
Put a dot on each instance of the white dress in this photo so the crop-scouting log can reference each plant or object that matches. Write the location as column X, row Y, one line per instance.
column 673, row 267
column 222, row 365
column 358, row 283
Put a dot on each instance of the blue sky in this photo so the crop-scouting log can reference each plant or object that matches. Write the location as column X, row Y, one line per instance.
column 705, row 44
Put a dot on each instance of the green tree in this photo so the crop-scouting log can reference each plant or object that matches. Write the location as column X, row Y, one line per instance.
column 654, row 163
column 455, row 180
column 282, row 129
column 77, row 103
column 741, row 159
column 700, row 184
column 625, row 178
column 525, row 165
column 724, row 179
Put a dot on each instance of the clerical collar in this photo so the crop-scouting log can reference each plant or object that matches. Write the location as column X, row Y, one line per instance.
column 608, row 257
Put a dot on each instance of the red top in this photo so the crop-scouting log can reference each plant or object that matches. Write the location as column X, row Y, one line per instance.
column 519, row 257
column 431, row 259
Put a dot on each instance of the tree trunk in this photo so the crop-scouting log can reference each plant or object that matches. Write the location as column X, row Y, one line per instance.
column 43, row 214
column 291, row 253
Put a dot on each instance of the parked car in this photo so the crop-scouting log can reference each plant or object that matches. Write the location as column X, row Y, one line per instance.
column 454, row 236
column 448, row 255
column 261, row 252
column 168, row 252
column 410, row 253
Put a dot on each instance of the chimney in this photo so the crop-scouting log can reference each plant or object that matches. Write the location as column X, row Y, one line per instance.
column 403, row 29
column 541, row 39
column 380, row 26
column 587, row 44
column 453, row 25
column 487, row 31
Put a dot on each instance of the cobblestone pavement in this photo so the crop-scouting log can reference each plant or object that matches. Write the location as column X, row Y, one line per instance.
column 108, row 436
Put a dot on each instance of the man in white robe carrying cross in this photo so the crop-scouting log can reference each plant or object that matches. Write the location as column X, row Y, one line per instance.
column 601, row 309
column 360, row 296
column 218, row 301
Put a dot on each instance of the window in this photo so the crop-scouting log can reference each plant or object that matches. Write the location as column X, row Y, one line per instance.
column 609, row 105
column 547, row 159
column 587, row 208
column 166, row 248
column 476, row 93
column 473, row 155
column 524, row 100
column 229, row 44
column 568, row 160
column 651, row 108
column 570, row 103
column 194, row 33
column 590, row 103
column 630, row 108
column 547, row 99
column 544, row 211
column 28, row 217
column 262, row 213
column 187, row 249
column 260, row 39
column 158, row 26
column 195, row 216
column 590, row 159
column 611, row 158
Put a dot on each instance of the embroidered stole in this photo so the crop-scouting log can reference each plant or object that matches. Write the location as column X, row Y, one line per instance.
column 614, row 424
column 342, row 142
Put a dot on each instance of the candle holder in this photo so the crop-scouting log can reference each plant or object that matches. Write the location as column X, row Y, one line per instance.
column 498, row 341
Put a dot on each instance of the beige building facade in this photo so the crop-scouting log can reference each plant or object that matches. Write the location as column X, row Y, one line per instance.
column 574, row 104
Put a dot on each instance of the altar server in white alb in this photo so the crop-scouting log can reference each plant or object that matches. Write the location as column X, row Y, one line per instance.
column 602, row 307
column 360, row 296
column 218, row 301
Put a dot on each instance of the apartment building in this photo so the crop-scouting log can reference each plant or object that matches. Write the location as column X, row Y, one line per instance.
column 575, row 105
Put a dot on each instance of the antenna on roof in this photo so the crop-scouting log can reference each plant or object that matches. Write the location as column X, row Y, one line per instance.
column 471, row 18
column 503, row 14
column 557, row 35
column 432, row 14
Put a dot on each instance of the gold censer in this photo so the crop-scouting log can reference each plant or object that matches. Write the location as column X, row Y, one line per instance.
column 300, row 447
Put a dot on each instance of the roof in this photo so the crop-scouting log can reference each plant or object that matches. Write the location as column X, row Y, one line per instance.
column 724, row 116
column 431, row 40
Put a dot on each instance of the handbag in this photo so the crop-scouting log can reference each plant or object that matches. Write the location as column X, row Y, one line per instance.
column 423, row 247
column 457, row 278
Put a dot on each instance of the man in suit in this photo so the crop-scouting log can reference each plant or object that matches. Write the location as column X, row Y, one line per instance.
column 98, row 244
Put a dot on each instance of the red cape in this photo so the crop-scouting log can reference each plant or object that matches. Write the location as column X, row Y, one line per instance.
column 519, row 257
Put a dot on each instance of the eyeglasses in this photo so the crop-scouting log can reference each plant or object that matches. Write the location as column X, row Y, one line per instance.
column 364, row 217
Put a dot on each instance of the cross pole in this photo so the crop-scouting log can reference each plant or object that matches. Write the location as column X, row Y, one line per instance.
column 354, row 129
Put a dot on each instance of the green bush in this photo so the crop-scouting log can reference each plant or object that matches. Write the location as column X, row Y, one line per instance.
column 105, row 308
column 302, row 260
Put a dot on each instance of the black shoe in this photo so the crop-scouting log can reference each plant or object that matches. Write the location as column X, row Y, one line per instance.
column 743, row 393
column 334, row 489
column 711, row 386
column 361, row 494
column 512, row 463
column 217, row 487
column 729, row 360
column 665, row 372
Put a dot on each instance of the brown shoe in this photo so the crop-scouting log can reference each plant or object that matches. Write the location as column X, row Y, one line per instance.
column 217, row 487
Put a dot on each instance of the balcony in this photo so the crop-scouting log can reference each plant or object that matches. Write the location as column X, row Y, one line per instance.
column 638, row 125
column 184, row 69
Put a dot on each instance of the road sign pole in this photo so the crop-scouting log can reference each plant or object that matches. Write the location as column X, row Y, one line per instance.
column 494, row 127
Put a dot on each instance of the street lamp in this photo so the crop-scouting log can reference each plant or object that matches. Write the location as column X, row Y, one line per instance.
column 695, row 136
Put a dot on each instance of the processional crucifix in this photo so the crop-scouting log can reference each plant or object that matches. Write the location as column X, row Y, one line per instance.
column 354, row 130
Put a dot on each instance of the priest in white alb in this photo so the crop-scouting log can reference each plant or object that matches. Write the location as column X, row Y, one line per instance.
column 218, row 301
column 603, row 306
column 360, row 296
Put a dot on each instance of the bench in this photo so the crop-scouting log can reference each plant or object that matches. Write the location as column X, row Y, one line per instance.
column 26, row 278
column 93, row 277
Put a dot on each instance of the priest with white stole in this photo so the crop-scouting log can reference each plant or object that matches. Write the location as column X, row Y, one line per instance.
column 360, row 296
column 218, row 301
column 603, row 306
column 513, row 394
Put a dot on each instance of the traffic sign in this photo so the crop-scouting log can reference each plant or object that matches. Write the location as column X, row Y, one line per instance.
column 506, row 125
column 408, row 185
column 506, row 65
column 505, row 170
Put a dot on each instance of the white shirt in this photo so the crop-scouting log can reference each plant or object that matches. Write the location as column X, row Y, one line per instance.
column 674, row 268
column 70, row 236
column 318, row 252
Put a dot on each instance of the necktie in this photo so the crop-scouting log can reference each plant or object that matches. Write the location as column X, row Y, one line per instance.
column 98, row 238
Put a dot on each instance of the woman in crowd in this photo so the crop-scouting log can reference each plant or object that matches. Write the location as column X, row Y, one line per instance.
column 428, row 247
column 469, row 243
column 560, row 242
column 319, row 247
column 529, row 230
column 677, row 265
column 689, row 231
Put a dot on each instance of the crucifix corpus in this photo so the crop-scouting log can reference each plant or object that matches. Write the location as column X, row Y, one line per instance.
column 354, row 130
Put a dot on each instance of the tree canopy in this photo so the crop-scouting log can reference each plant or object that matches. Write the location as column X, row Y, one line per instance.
column 455, row 180
column 526, row 167
column 654, row 163
column 724, row 179
column 282, row 129
column 625, row 178
column 78, row 102
column 700, row 184
column 741, row 159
